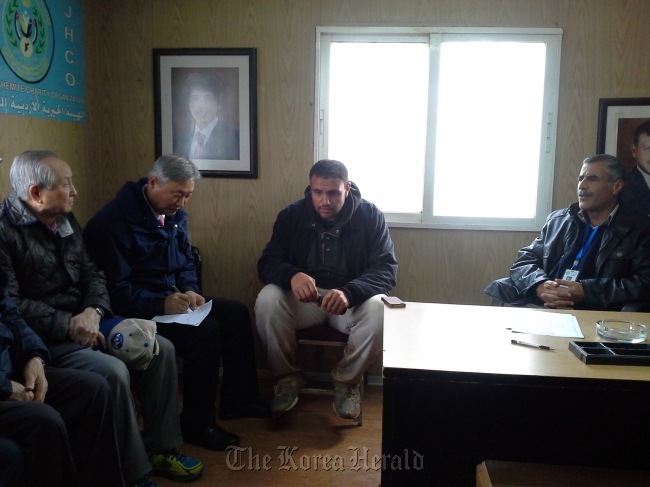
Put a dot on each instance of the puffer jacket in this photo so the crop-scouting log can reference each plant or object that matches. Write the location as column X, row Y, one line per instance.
column 51, row 277
column 622, row 263
column 364, row 236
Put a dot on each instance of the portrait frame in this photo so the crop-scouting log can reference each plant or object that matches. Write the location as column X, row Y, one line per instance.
column 230, row 151
column 617, row 120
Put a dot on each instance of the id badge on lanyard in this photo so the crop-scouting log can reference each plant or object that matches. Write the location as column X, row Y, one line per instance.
column 573, row 273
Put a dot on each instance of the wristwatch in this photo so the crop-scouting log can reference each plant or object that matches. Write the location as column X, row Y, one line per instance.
column 100, row 311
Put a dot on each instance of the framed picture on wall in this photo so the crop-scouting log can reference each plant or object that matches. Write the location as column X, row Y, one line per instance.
column 618, row 120
column 205, row 105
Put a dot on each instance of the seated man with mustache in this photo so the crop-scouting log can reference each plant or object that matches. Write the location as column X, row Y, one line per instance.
column 595, row 254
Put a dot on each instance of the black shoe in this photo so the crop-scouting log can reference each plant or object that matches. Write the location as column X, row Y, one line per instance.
column 254, row 409
column 211, row 438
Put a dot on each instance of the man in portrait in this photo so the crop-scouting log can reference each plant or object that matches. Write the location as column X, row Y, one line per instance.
column 636, row 193
column 209, row 137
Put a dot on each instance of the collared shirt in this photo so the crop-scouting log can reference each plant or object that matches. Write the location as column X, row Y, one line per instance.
column 207, row 131
column 583, row 216
column 144, row 192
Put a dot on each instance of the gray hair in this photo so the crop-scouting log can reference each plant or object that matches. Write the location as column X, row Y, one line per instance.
column 30, row 168
column 615, row 168
column 177, row 168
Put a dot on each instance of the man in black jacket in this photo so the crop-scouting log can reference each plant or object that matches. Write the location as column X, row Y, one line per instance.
column 594, row 254
column 329, row 261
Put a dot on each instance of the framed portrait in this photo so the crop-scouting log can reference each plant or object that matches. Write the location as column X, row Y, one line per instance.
column 618, row 120
column 205, row 105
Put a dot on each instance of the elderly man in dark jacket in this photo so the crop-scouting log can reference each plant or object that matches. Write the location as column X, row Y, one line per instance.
column 594, row 254
column 329, row 261
column 62, row 296
column 141, row 242
column 58, row 417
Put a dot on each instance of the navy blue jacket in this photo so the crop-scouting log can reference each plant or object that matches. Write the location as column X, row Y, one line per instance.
column 142, row 258
column 18, row 342
column 366, row 242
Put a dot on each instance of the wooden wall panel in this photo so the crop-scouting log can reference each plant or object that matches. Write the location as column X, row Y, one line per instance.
column 604, row 55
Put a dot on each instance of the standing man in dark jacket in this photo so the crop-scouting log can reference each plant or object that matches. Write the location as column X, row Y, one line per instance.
column 58, row 417
column 594, row 254
column 140, row 240
column 62, row 296
column 329, row 261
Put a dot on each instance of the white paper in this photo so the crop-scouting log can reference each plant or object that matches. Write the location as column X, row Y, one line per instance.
column 192, row 318
column 549, row 324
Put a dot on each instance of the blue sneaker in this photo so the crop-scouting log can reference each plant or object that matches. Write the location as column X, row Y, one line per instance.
column 176, row 466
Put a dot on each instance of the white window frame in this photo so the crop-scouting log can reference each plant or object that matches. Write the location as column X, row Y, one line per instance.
column 435, row 36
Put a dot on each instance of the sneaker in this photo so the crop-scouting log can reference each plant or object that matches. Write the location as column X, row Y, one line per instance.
column 347, row 400
column 285, row 394
column 145, row 482
column 176, row 466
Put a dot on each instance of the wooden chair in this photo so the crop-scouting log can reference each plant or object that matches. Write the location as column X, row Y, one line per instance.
column 324, row 336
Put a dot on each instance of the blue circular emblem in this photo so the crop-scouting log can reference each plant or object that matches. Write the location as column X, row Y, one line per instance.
column 117, row 341
column 27, row 38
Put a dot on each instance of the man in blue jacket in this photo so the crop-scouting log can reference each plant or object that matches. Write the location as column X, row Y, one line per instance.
column 140, row 240
column 329, row 261
column 57, row 417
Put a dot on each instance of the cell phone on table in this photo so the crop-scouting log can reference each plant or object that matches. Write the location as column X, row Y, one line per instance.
column 393, row 302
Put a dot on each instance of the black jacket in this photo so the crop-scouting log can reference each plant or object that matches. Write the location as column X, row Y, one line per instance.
column 365, row 238
column 50, row 275
column 636, row 194
column 622, row 263
column 18, row 343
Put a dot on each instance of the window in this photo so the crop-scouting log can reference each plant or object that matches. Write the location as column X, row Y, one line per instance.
column 442, row 127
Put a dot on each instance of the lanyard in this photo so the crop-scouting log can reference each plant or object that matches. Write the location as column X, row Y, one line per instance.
column 586, row 246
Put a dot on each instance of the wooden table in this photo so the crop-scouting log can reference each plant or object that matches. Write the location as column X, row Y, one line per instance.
column 456, row 392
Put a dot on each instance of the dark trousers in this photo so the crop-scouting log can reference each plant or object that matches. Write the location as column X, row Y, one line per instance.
column 224, row 337
column 74, row 426
column 12, row 464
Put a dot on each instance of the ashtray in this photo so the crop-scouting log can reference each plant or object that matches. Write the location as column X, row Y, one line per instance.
column 622, row 331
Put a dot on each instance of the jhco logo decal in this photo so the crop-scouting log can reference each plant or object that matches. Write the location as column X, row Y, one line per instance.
column 27, row 38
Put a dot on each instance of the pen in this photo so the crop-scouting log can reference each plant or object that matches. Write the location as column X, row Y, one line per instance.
column 534, row 345
column 175, row 289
